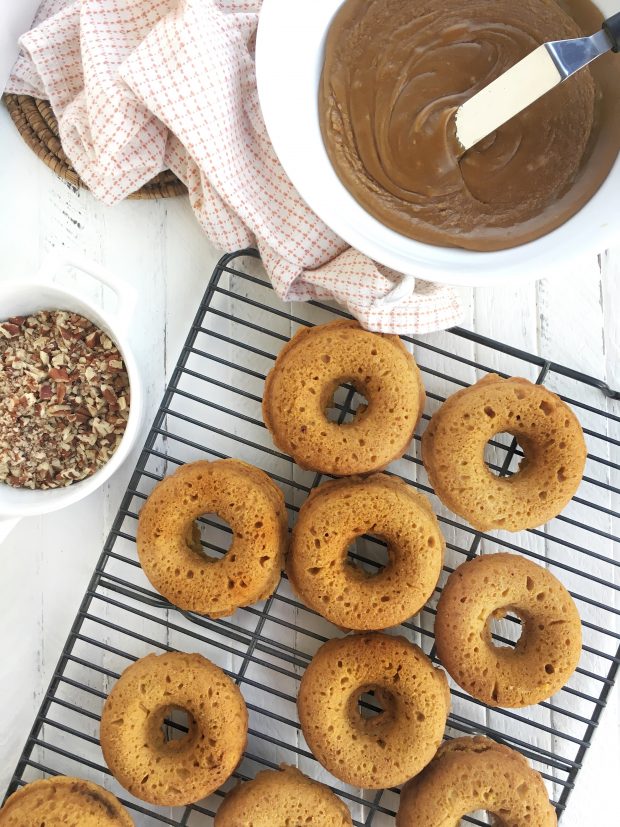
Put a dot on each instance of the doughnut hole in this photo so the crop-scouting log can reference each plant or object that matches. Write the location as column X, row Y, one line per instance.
column 495, row 456
column 372, row 709
column 505, row 628
column 212, row 536
column 177, row 724
column 369, row 705
column 368, row 555
column 171, row 728
column 346, row 403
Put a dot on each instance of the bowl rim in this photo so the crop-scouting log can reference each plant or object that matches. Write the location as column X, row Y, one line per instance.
column 63, row 497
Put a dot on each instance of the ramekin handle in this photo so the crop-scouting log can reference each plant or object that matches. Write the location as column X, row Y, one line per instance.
column 401, row 290
column 126, row 297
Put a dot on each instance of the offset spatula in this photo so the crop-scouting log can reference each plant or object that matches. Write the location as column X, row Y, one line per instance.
column 531, row 78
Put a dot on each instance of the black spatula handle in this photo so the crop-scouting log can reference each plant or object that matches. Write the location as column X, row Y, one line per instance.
column 612, row 29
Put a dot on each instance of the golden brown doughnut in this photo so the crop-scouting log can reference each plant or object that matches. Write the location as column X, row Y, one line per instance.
column 175, row 772
column 335, row 514
column 63, row 802
column 546, row 654
column 390, row 747
column 282, row 798
column 470, row 774
column 169, row 540
column 548, row 432
column 301, row 385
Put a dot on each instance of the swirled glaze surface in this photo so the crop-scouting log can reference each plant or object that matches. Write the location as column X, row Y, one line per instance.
column 396, row 71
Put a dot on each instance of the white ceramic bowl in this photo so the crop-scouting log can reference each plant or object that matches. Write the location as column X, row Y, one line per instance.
column 43, row 292
column 289, row 61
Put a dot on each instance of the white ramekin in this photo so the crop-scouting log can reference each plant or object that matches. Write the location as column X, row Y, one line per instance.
column 52, row 289
column 289, row 61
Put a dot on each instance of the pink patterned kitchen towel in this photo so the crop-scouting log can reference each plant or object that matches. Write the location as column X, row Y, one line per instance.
column 142, row 85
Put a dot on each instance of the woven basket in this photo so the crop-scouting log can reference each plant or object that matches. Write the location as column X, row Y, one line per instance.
column 38, row 126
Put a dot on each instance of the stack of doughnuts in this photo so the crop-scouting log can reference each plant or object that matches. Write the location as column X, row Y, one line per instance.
column 333, row 516
column 169, row 539
column 182, row 771
column 547, row 431
column 548, row 650
column 392, row 746
column 300, row 389
column 372, row 706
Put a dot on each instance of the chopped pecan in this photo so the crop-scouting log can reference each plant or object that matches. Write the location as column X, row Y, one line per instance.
column 59, row 374
column 64, row 399
column 9, row 330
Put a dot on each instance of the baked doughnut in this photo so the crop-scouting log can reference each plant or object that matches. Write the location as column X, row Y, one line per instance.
column 175, row 772
column 63, row 802
column 470, row 774
column 390, row 747
column 548, row 650
column 169, row 540
column 335, row 514
column 277, row 798
column 301, row 385
column 548, row 432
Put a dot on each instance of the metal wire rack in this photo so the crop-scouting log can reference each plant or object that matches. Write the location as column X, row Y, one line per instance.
column 239, row 328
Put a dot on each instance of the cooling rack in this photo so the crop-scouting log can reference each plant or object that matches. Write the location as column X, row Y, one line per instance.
column 212, row 409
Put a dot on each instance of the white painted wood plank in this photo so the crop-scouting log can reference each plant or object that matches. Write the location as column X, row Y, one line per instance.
column 572, row 331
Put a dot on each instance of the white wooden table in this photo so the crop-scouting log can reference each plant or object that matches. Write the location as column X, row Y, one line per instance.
column 157, row 246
